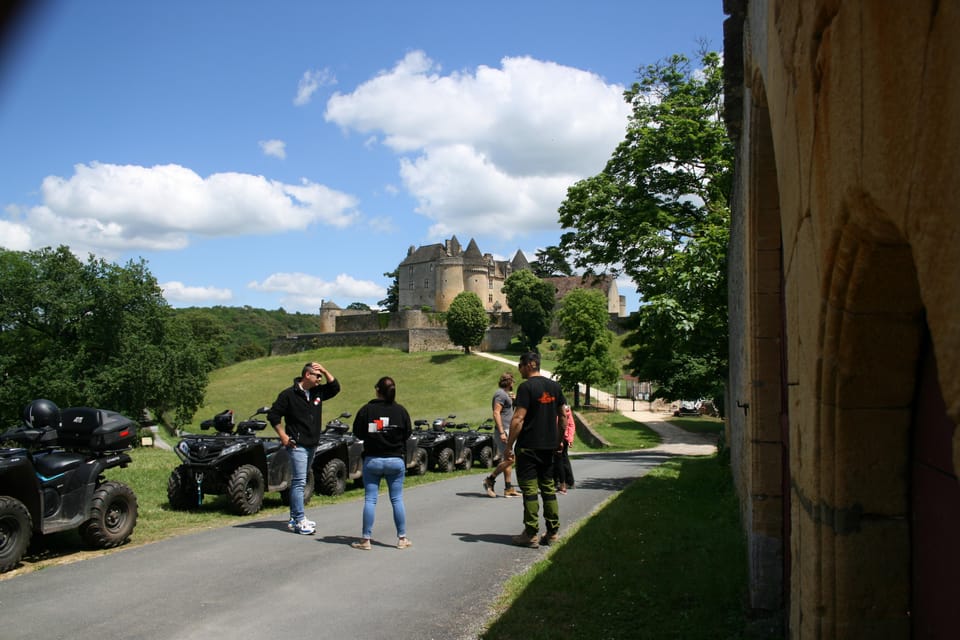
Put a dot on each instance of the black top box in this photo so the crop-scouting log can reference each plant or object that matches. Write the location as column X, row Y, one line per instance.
column 96, row 429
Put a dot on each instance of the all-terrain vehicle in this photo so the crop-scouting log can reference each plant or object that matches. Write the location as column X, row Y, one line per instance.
column 235, row 461
column 477, row 447
column 53, row 481
column 338, row 457
column 445, row 447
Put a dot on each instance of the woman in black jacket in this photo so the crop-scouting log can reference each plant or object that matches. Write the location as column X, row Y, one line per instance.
column 384, row 427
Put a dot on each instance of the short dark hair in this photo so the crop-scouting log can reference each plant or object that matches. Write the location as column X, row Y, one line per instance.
column 531, row 358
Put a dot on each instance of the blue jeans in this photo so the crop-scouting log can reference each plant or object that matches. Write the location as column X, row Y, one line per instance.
column 375, row 469
column 300, row 460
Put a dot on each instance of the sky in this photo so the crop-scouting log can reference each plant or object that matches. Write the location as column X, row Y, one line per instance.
column 287, row 153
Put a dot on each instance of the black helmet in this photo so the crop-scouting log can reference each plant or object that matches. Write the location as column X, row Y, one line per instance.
column 41, row 414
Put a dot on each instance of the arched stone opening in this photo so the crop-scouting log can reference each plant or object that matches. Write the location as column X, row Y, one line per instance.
column 855, row 505
column 766, row 407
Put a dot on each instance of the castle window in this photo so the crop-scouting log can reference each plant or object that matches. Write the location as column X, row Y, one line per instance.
column 490, row 298
column 426, row 283
column 489, row 284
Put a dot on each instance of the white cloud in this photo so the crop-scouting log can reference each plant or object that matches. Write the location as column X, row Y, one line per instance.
column 109, row 209
column 495, row 147
column 309, row 83
column 304, row 291
column 275, row 148
column 15, row 236
column 175, row 291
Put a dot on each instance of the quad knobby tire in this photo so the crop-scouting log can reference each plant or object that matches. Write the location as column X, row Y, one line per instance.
column 182, row 490
column 421, row 460
column 307, row 490
column 445, row 461
column 333, row 477
column 245, row 489
column 113, row 515
column 15, row 532
column 467, row 462
column 485, row 459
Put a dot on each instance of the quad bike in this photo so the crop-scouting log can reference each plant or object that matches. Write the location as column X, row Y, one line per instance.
column 445, row 449
column 339, row 456
column 54, row 480
column 235, row 461
column 477, row 447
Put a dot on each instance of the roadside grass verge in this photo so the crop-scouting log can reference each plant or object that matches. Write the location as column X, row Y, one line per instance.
column 663, row 559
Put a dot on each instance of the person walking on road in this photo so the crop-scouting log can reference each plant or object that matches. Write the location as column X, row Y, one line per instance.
column 536, row 430
column 384, row 427
column 297, row 417
column 502, row 414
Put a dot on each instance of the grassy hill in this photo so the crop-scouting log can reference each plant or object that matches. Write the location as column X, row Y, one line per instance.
column 429, row 385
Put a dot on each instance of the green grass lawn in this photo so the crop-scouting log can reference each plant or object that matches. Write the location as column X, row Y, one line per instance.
column 663, row 559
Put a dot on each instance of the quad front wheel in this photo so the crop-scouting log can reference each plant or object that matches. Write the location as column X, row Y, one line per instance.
column 333, row 477
column 15, row 532
column 486, row 457
column 245, row 489
column 182, row 491
column 421, row 458
column 467, row 462
column 113, row 515
column 445, row 462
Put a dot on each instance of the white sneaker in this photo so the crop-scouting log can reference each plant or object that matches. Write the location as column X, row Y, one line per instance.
column 304, row 527
column 291, row 525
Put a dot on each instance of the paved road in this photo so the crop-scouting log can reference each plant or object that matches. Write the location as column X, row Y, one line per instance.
column 258, row 580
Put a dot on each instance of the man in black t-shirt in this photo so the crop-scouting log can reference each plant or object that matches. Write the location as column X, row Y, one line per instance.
column 536, row 430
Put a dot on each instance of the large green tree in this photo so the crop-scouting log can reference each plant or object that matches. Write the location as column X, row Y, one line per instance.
column 467, row 320
column 659, row 212
column 531, row 303
column 586, row 357
column 95, row 334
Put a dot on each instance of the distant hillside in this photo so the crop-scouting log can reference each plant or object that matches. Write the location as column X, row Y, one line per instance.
column 244, row 333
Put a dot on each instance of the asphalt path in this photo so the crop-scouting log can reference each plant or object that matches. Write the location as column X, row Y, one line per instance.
column 258, row 580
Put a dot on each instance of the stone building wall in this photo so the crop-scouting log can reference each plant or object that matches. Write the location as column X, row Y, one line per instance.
column 844, row 391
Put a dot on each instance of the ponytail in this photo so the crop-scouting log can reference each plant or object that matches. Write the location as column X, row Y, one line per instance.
column 387, row 388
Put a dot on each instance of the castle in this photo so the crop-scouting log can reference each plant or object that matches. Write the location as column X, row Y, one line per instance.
column 431, row 276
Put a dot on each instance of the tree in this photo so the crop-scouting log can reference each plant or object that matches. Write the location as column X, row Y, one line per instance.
column 358, row 306
column 94, row 334
column 467, row 320
column 392, row 302
column 585, row 357
column 531, row 303
column 551, row 262
column 659, row 212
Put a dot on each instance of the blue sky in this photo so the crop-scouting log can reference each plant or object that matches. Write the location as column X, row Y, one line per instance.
column 280, row 154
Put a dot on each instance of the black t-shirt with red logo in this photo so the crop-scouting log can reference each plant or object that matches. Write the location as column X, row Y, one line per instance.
column 543, row 399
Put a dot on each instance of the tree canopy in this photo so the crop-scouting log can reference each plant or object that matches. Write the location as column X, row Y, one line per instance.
column 392, row 302
column 467, row 320
column 585, row 357
column 659, row 213
column 531, row 303
column 94, row 334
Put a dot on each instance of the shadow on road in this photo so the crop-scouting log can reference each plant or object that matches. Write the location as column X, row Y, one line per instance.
column 490, row 538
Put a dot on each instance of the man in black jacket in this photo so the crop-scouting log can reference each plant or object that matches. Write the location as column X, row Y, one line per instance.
column 297, row 416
